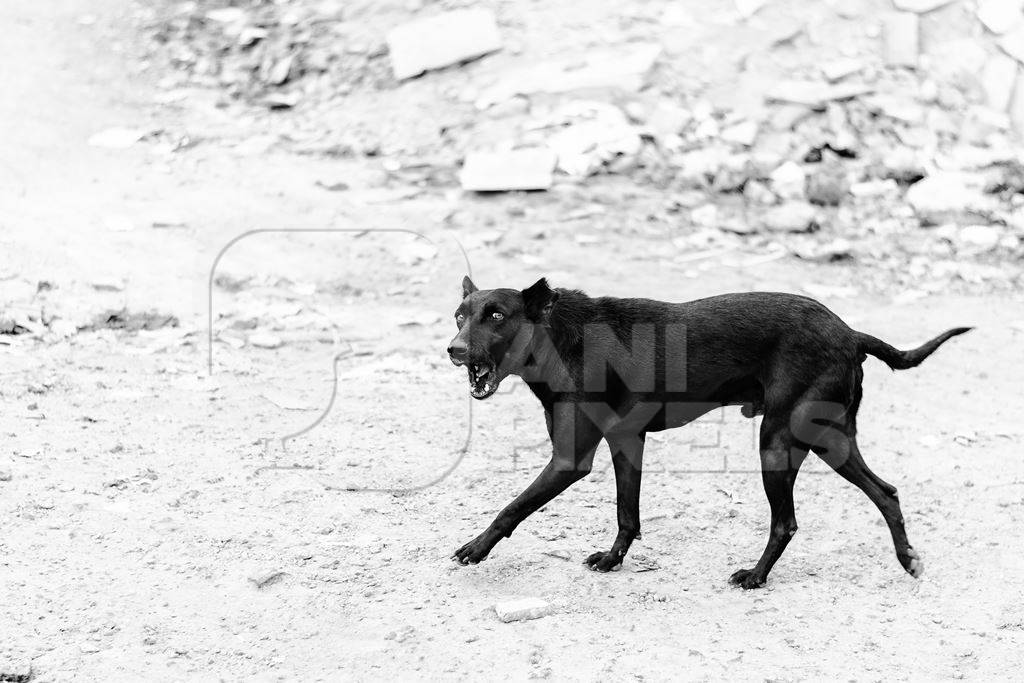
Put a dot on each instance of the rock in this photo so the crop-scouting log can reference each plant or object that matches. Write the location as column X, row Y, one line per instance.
column 522, row 610
column 521, row 169
column 748, row 8
column 5, row 475
column 948, row 195
column 744, row 133
column 999, row 16
column 705, row 216
column 814, row 93
column 920, row 6
column 117, row 138
column 792, row 216
column 827, row 185
column 16, row 669
column 666, row 122
column 980, row 237
column 597, row 133
column 874, row 188
column 757, row 192
column 266, row 579
column 836, row 250
column 441, row 40
column 788, row 180
column 839, row 69
column 897, row 107
column 265, row 340
column 622, row 69
column 900, row 45
column 997, row 79
column 1017, row 104
column 1013, row 43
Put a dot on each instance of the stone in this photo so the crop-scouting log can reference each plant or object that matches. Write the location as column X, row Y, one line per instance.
column 874, row 188
column 705, row 216
column 980, row 237
column 441, row 40
column 920, row 6
column 838, row 69
column 948, row 194
column 265, row 340
column 623, row 68
column 5, row 475
column 1017, row 104
column 1013, row 43
column 522, row 610
column 815, row 93
column 999, row 16
column 666, row 121
column 521, row 169
column 788, row 180
column 997, row 79
column 900, row 39
column 744, row 133
column 792, row 216
column 827, row 186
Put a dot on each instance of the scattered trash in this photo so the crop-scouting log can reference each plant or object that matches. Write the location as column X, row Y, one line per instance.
column 524, row 609
column 442, row 40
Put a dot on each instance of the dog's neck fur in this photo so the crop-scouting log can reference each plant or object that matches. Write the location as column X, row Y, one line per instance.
column 554, row 342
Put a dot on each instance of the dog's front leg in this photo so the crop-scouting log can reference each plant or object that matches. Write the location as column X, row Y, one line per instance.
column 627, row 459
column 573, row 442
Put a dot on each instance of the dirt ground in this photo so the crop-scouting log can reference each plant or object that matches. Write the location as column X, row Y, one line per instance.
column 156, row 526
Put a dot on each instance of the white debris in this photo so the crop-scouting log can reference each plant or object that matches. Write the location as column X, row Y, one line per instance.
column 620, row 69
column 999, row 16
column 522, row 610
column 948, row 192
column 793, row 216
column 900, row 39
column 597, row 133
column 1013, row 43
column 117, row 138
column 743, row 133
column 920, row 6
column 814, row 93
column 441, row 40
column 980, row 237
column 838, row 69
column 748, row 8
column 521, row 169
column 997, row 78
column 788, row 180
column 265, row 340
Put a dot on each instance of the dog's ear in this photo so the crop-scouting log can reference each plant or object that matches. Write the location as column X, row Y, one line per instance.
column 467, row 287
column 539, row 299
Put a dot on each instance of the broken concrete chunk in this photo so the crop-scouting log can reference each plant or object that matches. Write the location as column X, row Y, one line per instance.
column 1013, row 43
column 522, row 610
column 442, row 40
column 948, row 195
column 997, row 78
column 621, row 69
column 815, row 94
column 521, row 169
column 793, row 216
column 999, row 16
column 980, row 237
column 743, row 133
column 900, row 39
column 839, row 69
column 788, row 180
column 920, row 6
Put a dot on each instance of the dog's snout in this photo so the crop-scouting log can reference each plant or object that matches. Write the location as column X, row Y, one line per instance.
column 458, row 350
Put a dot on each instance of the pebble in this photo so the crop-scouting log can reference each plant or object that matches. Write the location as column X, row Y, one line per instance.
column 5, row 475
column 522, row 610
column 792, row 216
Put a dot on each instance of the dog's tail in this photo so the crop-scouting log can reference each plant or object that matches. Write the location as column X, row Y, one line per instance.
column 901, row 360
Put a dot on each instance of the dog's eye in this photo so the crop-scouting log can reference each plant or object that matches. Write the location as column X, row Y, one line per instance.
column 459, row 318
column 497, row 315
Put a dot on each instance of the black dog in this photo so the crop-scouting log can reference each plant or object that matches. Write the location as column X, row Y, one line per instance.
column 619, row 368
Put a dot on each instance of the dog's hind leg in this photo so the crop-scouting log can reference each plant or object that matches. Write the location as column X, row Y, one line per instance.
column 781, row 457
column 627, row 459
column 848, row 462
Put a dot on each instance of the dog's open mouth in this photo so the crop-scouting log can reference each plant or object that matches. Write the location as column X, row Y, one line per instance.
column 483, row 380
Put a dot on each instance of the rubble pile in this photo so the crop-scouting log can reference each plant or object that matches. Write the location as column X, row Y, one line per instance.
column 906, row 145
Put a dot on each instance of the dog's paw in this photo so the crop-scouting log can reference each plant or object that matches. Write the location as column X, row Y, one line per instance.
column 603, row 562
column 746, row 579
column 912, row 562
column 473, row 552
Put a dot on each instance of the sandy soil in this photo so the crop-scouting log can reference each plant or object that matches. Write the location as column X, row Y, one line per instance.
column 156, row 526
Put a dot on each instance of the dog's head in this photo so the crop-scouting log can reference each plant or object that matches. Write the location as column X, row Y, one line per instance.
column 495, row 330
